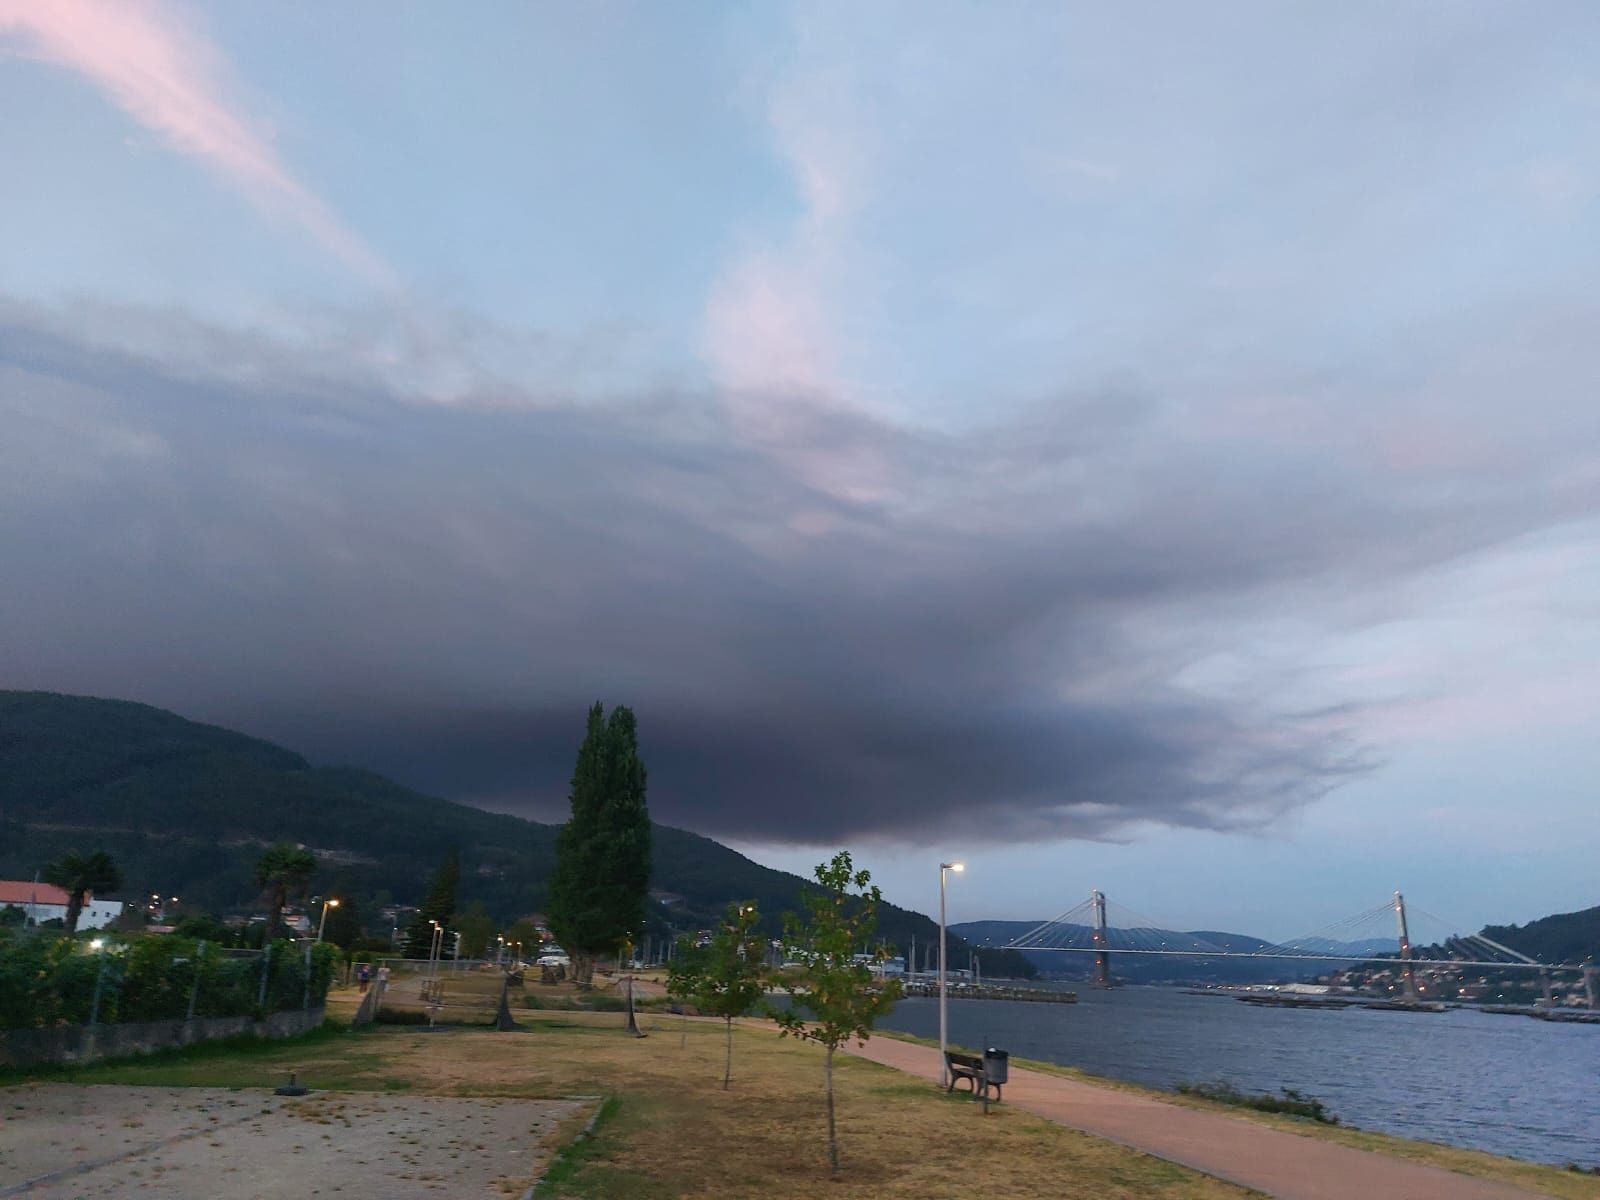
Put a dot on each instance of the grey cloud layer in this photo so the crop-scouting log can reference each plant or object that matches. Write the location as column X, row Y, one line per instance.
column 992, row 641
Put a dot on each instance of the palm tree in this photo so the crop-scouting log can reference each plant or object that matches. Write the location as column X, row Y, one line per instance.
column 80, row 876
column 284, row 871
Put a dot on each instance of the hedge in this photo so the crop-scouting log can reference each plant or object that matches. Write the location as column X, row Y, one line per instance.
column 50, row 980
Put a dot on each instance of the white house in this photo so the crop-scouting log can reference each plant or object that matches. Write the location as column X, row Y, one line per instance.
column 41, row 902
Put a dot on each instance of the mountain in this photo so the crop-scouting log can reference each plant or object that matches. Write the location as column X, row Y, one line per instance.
column 1563, row 937
column 1378, row 947
column 1153, row 968
column 186, row 808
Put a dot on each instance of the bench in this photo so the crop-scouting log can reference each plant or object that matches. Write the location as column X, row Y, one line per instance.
column 970, row 1068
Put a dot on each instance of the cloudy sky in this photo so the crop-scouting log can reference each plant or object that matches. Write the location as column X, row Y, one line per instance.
column 1153, row 448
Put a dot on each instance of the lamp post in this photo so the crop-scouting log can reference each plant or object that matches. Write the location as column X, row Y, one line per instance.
column 944, row 1020
column 322, row 924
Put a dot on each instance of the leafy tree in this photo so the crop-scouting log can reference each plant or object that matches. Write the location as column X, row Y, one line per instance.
column 13, row 914
column 477, row 927
column 283, row 873
column 833, row 996
column 602, row 872
column 440, row 906
column 727, row 977
column 527, row 933
column 344, row 922
column 202, row 926
column 82, row 875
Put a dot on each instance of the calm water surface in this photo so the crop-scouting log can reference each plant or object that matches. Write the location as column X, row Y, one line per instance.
column 1506, row 1084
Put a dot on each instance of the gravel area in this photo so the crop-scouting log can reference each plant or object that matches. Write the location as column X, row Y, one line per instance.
column 61, row 1142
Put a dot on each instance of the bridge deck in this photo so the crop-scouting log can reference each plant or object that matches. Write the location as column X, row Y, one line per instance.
column 1273, row 1161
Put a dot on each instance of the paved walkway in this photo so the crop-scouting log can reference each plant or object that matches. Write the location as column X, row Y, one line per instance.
column 1281, row 1164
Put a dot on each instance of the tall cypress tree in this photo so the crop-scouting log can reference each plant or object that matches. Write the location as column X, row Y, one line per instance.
column 602, row 874
column 440, row 906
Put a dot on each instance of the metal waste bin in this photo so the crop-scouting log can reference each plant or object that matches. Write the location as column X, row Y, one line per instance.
column 996, row 1065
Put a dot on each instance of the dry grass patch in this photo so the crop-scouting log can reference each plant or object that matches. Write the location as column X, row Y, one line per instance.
column 676, row 1133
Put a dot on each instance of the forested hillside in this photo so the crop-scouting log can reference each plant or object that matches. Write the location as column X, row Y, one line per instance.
column 186, row 809
column 1563, row 937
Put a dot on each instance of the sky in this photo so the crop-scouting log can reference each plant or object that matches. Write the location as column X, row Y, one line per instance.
column 1153, row 448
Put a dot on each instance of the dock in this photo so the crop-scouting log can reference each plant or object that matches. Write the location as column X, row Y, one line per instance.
column 987, row 991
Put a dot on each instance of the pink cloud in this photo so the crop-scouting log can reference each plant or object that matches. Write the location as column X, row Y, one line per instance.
column 168, row 77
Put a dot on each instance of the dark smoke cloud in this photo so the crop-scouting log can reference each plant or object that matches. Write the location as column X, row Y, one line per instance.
column 829, row 624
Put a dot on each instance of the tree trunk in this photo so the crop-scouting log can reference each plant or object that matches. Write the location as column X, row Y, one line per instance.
column 582, row 969
column 280, row 897
column 727, row 1061
column 74, row 910
column 833, row 1135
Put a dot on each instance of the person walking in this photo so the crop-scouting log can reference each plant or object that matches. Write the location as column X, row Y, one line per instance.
column 365, row 977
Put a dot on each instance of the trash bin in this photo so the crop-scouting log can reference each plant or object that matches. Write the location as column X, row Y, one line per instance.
column 996, row 1065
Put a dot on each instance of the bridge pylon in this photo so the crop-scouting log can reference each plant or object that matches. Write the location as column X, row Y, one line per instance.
column 1102, row 944
column 1407, row 972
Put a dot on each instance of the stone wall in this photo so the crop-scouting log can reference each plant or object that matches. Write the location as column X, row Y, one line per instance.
column 90, row 1043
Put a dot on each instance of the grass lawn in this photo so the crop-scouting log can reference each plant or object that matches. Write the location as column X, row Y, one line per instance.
column 671, row 1131
column 1533, row 1177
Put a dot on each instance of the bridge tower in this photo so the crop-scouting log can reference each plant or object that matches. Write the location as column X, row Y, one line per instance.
column 1102, row 944
column 1407, row 973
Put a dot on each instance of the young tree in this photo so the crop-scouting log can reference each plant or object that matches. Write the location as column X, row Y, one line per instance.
column 477, row 927
column 283, row 873
column 726, row 978
column 834, row 997
column 80, row 876
column 602, row 872
column 440, row 906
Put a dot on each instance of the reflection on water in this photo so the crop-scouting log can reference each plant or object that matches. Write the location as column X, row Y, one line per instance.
column 1505, row 1084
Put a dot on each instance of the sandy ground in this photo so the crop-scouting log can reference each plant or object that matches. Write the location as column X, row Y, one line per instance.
column 205, row 1143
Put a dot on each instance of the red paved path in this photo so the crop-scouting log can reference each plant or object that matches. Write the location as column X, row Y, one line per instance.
column 1273, row 1161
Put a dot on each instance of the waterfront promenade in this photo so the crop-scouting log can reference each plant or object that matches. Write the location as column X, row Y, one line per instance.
column 1286, row 1165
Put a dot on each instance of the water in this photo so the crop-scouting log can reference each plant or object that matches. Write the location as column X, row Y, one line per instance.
column 1506, row 1084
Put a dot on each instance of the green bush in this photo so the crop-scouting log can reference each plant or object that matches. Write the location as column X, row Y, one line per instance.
column 47, row 980
column 1289, row 1101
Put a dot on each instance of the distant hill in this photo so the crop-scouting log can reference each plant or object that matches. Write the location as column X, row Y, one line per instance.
column 1564, row 937
column 1138, row 968
column 185, row 809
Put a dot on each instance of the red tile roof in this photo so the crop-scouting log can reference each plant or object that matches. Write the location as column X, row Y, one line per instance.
column 25, row 892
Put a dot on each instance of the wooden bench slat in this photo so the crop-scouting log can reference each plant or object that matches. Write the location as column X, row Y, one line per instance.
column 969, row 1067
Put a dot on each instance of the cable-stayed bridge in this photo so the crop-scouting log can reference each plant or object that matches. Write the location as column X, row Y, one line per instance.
column 1382, row 934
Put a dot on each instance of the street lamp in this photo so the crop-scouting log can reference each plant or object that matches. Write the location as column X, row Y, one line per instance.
column 322, row 924
column 944, row 1020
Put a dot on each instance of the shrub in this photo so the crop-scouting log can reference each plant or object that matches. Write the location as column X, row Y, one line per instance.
column 48, row 980
column 1289, row 1101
